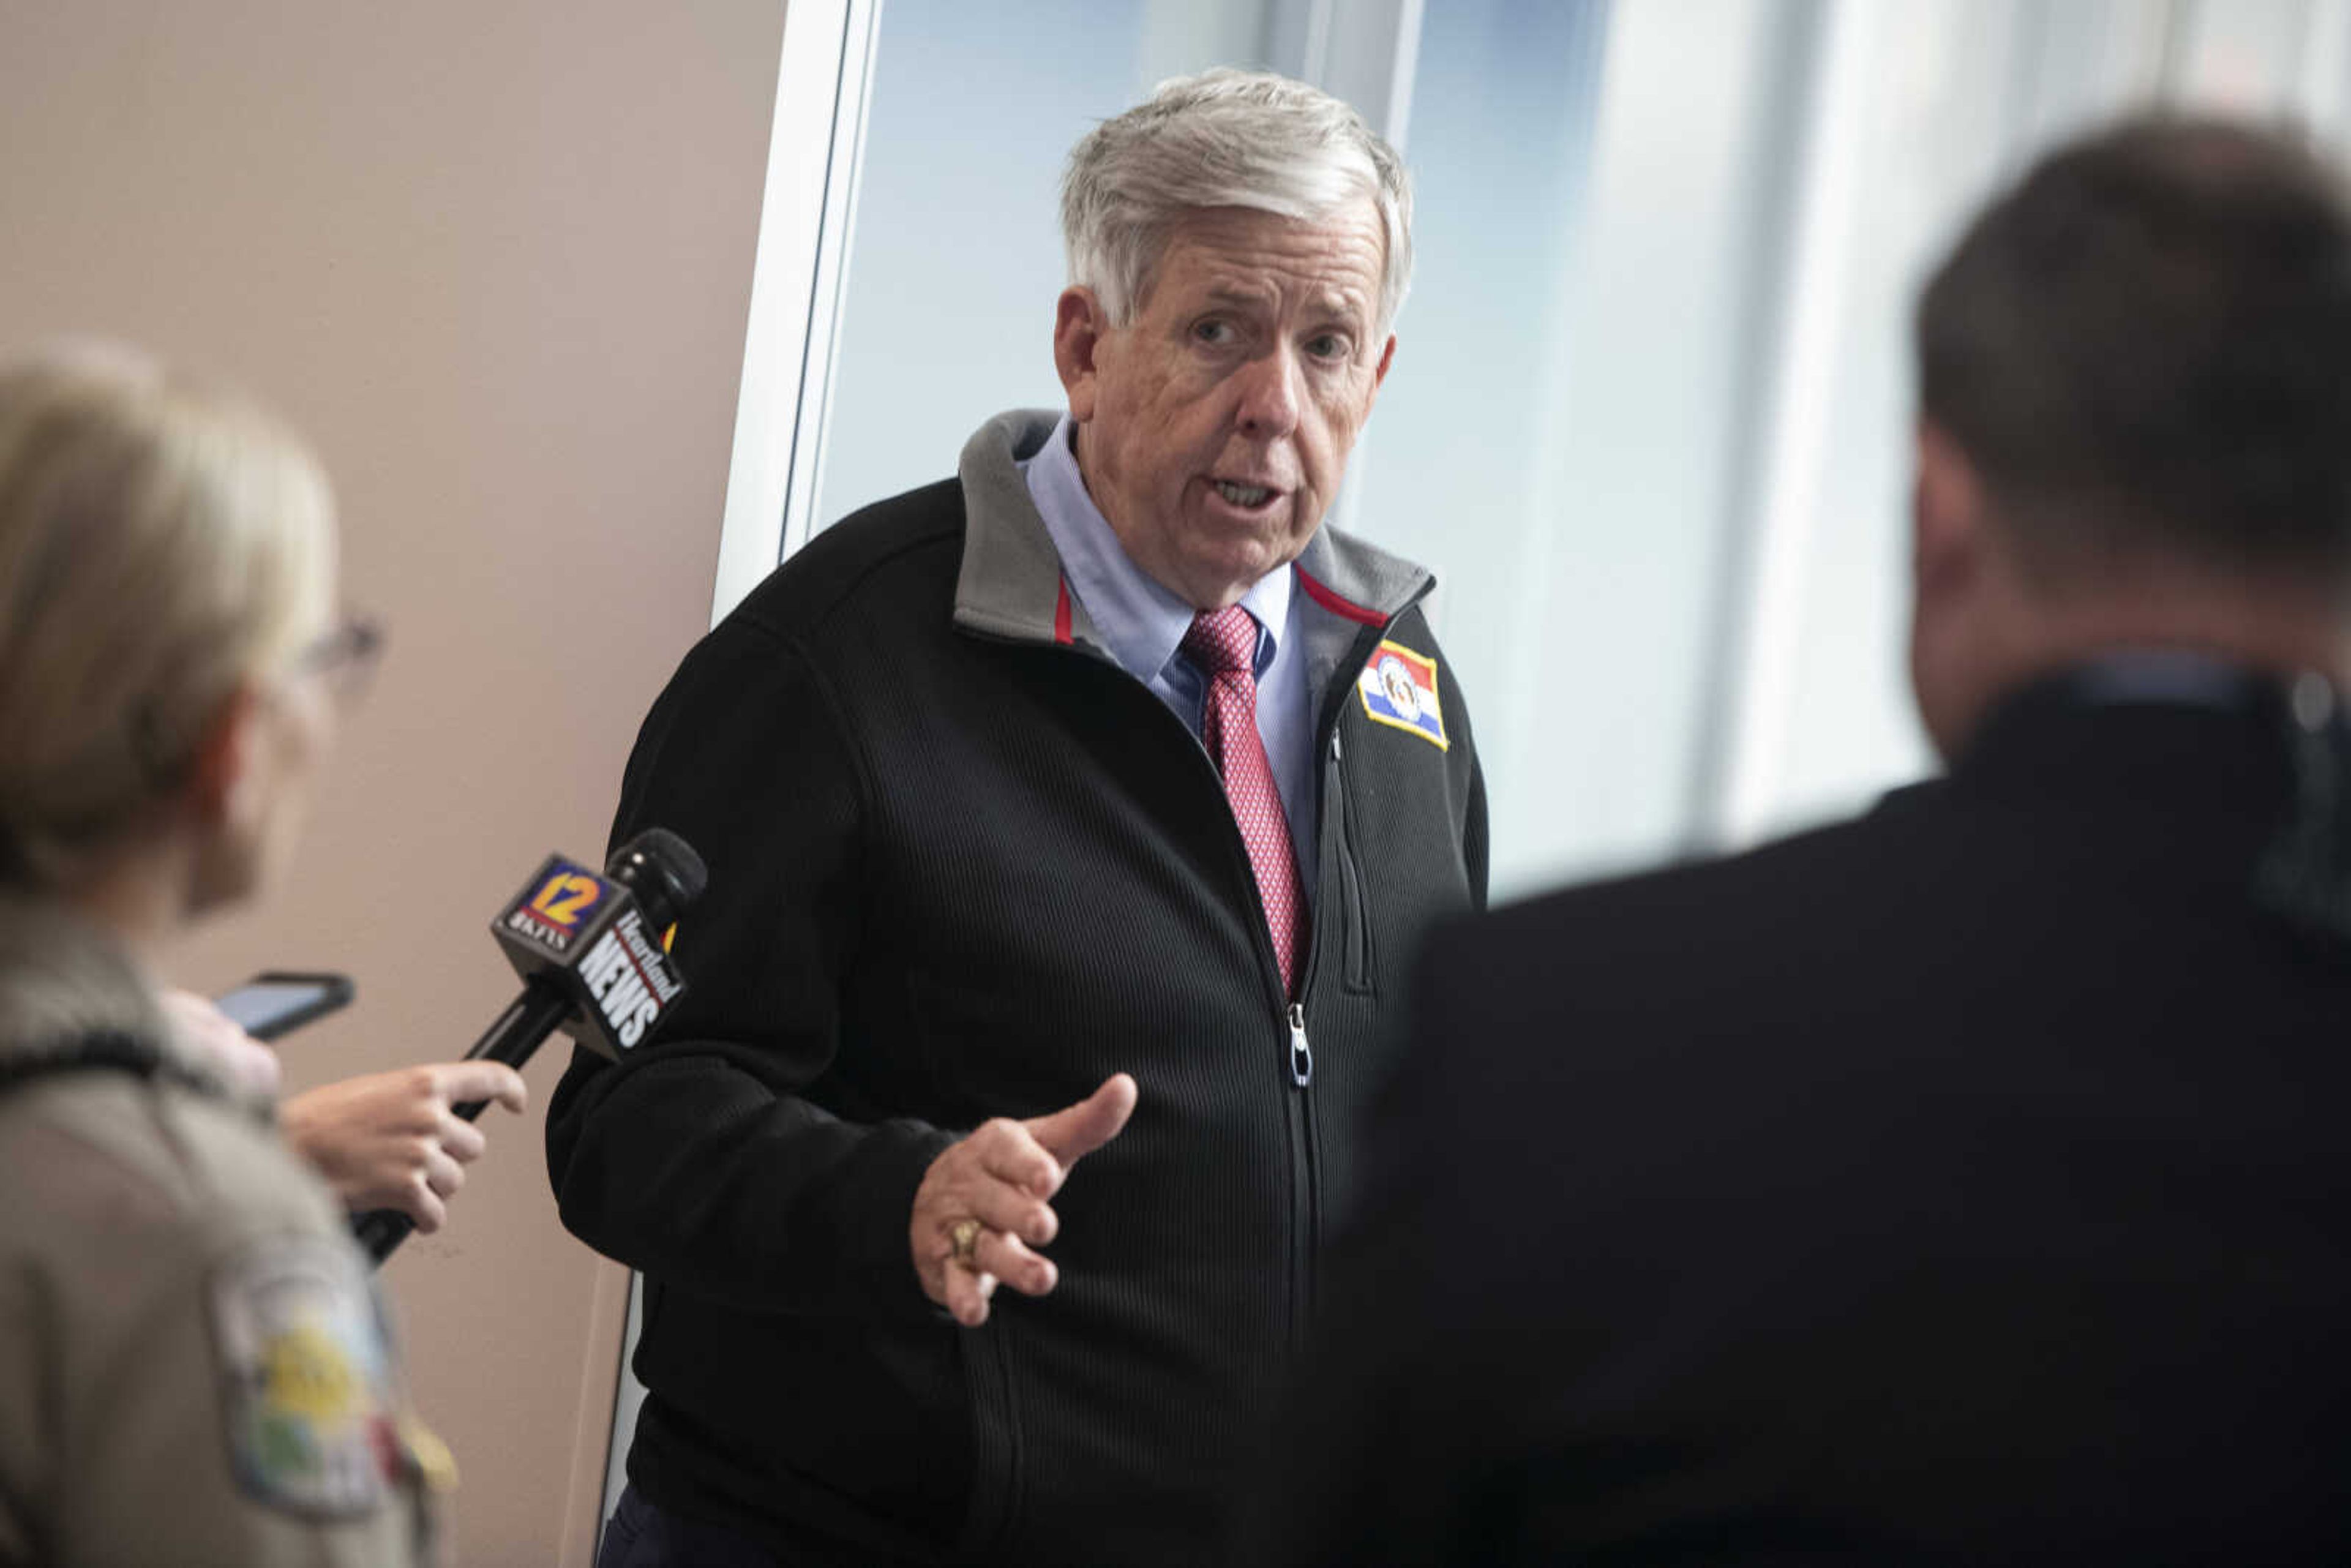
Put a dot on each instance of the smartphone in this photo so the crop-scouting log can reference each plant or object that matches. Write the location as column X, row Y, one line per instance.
column 278, row 1002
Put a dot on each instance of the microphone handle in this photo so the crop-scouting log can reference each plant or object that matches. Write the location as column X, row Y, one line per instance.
column 528, row 1019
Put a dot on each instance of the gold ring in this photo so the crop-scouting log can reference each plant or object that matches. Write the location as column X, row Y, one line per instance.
column 963, row 1235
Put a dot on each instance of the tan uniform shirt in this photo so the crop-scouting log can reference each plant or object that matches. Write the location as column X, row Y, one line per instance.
column 193, row 1369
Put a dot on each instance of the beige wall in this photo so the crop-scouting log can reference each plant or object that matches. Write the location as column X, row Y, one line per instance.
column 494, row 259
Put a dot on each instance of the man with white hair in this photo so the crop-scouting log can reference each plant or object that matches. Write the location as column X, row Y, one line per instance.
column 1086, row 805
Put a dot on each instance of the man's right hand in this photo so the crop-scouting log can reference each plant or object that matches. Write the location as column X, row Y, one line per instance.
column 1002, row 1176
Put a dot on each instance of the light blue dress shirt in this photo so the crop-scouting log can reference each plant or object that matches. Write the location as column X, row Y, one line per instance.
column 1144, row 625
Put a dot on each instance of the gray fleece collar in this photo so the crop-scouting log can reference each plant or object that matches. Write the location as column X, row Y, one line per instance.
column 1010, row 583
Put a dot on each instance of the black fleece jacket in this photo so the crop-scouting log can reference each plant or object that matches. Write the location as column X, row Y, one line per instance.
column 964, row 866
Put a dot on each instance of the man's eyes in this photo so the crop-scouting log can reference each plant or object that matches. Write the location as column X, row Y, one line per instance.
column 1331, row 347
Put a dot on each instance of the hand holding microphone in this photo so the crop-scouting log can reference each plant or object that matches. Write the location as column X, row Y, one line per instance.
column 394, row 1140
column 384, row 1140
column 590, row 949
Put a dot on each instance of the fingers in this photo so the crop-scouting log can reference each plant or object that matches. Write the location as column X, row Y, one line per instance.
column 958, row 1188
column 1005, row 1190
column 998, row 1258
column 1012, row 1211
column 967, row 1295
column 1011, row 1153
column 423, row 1205
column 1006, row 1258
column 464, row 1141
column 1001, row 1176
column 1070, row 1134
column 444, row 1175
column 462, row 1082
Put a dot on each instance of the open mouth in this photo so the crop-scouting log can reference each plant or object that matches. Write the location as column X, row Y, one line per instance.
column 1248, row 498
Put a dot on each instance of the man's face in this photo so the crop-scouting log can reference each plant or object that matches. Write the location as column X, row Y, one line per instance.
column 1214, row 428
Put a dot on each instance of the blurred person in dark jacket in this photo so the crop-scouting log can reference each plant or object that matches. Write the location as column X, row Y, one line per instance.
column 1966, row 1183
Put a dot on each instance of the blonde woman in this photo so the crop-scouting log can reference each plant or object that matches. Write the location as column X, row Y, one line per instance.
column 194, row 1367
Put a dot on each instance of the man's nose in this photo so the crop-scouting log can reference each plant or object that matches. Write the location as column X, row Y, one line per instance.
column 1270, row 395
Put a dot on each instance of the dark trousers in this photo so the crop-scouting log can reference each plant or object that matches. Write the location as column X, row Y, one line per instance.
column 644, row 1536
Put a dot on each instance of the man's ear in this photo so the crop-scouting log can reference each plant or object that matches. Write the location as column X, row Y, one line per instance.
column 221, row 772
column 1080, row 325
column 1947, row 518
column 1379, row 378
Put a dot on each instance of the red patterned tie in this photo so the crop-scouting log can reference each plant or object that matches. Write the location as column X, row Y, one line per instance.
column 1223, row 644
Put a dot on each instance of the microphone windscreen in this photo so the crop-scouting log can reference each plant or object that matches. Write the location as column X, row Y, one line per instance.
column 663, row 873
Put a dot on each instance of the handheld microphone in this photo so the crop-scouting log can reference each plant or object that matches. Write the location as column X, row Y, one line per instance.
column 591, row 951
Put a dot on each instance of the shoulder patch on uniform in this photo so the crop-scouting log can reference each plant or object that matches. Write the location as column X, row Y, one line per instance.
column 1399, row 689
column 306, row 1376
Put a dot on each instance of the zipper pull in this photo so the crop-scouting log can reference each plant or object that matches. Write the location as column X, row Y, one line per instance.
column 1337, row 752
column 1301, row 1055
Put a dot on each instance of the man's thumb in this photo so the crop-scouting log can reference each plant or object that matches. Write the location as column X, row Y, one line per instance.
column 1072, row 1133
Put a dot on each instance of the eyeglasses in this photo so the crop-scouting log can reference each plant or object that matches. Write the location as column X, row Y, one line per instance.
column 345, row 656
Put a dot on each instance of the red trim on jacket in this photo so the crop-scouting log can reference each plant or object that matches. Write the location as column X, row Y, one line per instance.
column 1338, row 606
column 1062, row 616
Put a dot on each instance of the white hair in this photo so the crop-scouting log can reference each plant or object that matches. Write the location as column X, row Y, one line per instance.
column 158, row 544
column 1224, row 139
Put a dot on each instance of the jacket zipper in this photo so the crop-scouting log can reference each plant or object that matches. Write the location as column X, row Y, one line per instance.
column 1357, row 907
column 1306, row 1195
column 1305, row 1187
column 1306, row 1135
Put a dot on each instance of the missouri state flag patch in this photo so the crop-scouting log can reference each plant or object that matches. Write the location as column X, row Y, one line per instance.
column 1399, row 689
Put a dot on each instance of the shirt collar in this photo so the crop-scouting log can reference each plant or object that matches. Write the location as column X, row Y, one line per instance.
column 1142, row 622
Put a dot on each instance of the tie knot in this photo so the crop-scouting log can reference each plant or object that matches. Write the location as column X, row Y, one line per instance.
column 1223, row 641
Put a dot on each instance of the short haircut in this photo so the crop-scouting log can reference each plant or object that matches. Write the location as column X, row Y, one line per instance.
column 159, row 544
column 1224, row 139
column 2144, row 346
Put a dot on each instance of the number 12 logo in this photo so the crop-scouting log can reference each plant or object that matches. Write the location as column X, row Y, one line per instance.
column 566, row 897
